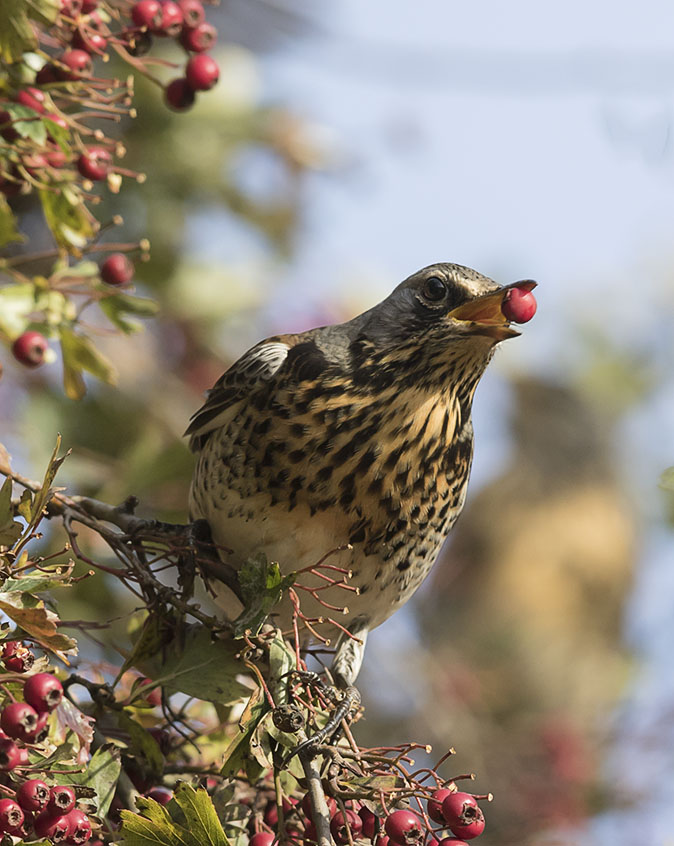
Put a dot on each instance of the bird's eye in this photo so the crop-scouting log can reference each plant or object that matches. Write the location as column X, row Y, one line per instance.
column 434, row 289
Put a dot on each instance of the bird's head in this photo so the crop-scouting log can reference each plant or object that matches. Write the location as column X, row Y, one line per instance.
column 445, row 317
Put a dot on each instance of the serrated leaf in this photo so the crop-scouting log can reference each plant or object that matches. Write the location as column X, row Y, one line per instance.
column 29, row 612
column 27, row 123
column 80, row 354
column 43, row 496
column 236, row 756
column 195, row 664
column 117, row 308
column 25, row 506
column 281, row 662
column 262, row 586
column 200, row 815
column 143, row 745
column 16, row 33
column 67, row 218
column 8, row 231
column 101, row 774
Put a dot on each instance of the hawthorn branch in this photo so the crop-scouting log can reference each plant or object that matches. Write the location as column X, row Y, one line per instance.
column 319, row 806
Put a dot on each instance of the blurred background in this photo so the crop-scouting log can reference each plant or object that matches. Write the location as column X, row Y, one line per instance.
column 344, row 148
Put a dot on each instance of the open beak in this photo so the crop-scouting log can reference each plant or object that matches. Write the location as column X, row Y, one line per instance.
column 485, row 314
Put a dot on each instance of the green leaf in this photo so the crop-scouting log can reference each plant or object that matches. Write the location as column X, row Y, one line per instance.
column 16, row 33
column 262, row 586
column 116, row 308
column 33, row 584
column 61, row 135
column 80, row 354
column 281, row 662
column 10, row 529
column 200, row 815
column 25, row 506
column 27, row 123
column 101, row 775
column 67, row 218
column 195, row 664
column 43, row 496
column 8, row 230
column 237, row 754
column 667, row 479
column 143, row 745
column 156, row 826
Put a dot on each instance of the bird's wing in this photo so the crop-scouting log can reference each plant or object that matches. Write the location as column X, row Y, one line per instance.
column 258, row 365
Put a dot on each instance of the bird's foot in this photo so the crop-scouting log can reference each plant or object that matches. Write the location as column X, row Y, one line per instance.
column 346, row 701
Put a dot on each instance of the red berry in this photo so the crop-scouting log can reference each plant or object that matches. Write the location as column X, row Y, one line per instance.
column 55, row 828
column 41, row 729
column 199, row 39
column 262, row 838
column 11, row 815
column 88, row 6
column 179, row 95
column 61, row 800
column 30, row 348
column 16, row 657
column 340, row 822
column 369, row 822
column 306, row 805
column 46, row 75
column 33, row 795
column 10, row 756
column 78, row 64
column 435, row 804
column 147, row 13
column 452, row 841
column 472, row 829
column 56, row 158
column 31, row 97
column 59, row 120
column 43, row 691
column 19, row 720
column 202, row 72
column 8, row 132
column 71, row 8
column 153, row 697
column 163, row 739
column 160, row 794
column 79, row 827
column 118, row 270
column 91, row 42
column 404, row 828
column 193, row 12
column 171, row 19
column 459, row 808
column 94, row 164
column 519, row 305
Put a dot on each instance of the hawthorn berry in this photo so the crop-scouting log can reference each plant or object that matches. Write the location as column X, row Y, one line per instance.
column 33, row 795
column 340, row 822
column 31, row 97
column 147, row 13
column 435, row 804
column 202, row 72
column 8, row 132
column 118, row 270
column 452, row 841
column 471, row 829
column 404, row 828
column 56, row 158
column 193, row 12
column 459, row 808
column 262, row 838
column 43, row 691
column 78, row 64
column 46, row 75
column 79, row 827
column 90, row 42
column 19, row 720
column 94, row 164
column 160, row 794
column 152, row 697
column 369, row 822
column 55, row 828
column 61, row 800
column 519, row 305
column 10, row 755
column 308, row 810
column 11, row 815
column 88, row 6
column 16, row 657
column 30, row 348
column 382, row 840
column 179, row 95
column 71, row 8
column 271, row 811
column 199, row 39
column 171, row 19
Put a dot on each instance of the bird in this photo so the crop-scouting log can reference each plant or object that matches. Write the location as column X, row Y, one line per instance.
column 356, row 437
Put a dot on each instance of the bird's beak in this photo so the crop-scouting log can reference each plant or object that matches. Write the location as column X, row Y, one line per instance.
column 484, row 315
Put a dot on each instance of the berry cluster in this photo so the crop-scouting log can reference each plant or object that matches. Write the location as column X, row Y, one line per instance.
column 47, row 812
column 452, row 809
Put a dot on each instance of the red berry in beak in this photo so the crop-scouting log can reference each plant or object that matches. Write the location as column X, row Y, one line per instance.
column 519, row 305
